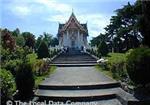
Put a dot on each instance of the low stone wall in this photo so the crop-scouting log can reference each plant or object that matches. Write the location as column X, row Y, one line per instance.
column 52, row 59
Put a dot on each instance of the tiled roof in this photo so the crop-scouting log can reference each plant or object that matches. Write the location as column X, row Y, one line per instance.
column 83, row 25
column 63, row 27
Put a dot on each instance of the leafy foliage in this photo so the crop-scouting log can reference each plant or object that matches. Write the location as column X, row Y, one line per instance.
column 43, row 51
column 144, row 22
column 19, row 61
column 32, row 60
column 4, row 54
column 54, row 42
column 20, row 41
column 38, row 41
column 16, row 32
column 7, row 40
column 29, row 39
column 25, row 81
column 102, row 49
column 7, row 85
column 116, row 57
column 122, row 33
column 138, row 65
column 117, row 65
column 12, row 65
column 48, row 39
column 97, row 40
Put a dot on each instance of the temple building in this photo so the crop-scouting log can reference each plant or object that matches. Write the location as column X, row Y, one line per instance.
column 72, row 34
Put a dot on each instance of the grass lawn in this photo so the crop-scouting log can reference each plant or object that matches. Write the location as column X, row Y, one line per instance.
column 116, row 57
column 39, row 79
column 113, row 59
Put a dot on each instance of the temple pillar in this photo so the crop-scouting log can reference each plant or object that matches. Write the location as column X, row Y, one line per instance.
column 67, row 38
column 78, row 39
column 67, row 35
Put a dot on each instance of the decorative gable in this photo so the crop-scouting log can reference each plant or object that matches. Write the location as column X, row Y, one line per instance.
column 72, row 23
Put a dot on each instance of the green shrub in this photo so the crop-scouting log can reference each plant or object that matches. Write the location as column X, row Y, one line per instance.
column 39, row 65
column 138, row 65
column 117, row 65
column 43, row 51
column 102, row 49
column 12, row 65
column 119, row 71
column 4, row 54
column 116, row 57
column 32, row 60
column 20, row 52
column 7, row 85
column 25, row 81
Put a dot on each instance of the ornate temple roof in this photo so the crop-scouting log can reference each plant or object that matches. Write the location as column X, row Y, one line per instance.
column 72, row 19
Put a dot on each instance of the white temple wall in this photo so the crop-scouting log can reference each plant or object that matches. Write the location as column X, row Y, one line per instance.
column 65, row 42
column 79, row 41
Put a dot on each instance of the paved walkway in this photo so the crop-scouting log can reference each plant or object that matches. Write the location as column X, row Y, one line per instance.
column 76, row 76
column 77, row 83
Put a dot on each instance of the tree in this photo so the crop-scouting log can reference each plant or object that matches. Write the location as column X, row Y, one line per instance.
column 16, row 32
column 7, row 40
column 102, row 49
column 20, row 41
column 145, row 21
column 95, row 41
column 29, row 39
column 38, row 41
column 122, row 32
column 54, row 42
column 47, row 38
column 43, row 51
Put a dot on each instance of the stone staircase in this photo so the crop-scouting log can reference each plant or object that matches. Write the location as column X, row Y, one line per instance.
column 76, row 80
column 74, row 58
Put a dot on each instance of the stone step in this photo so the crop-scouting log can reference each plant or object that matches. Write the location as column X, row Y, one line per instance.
column 98, row 95
column 73, row 62
column 102, row 102
column 102, row 85
column 74, row 59
column 76, row 95
column 68, row 102
column 73, row 65
column 83, row 56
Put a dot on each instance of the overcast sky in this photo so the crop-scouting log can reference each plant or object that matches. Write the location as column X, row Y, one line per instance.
column 38, row 16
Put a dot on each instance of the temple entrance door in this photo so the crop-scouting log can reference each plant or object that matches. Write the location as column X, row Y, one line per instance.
column 73, row 44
